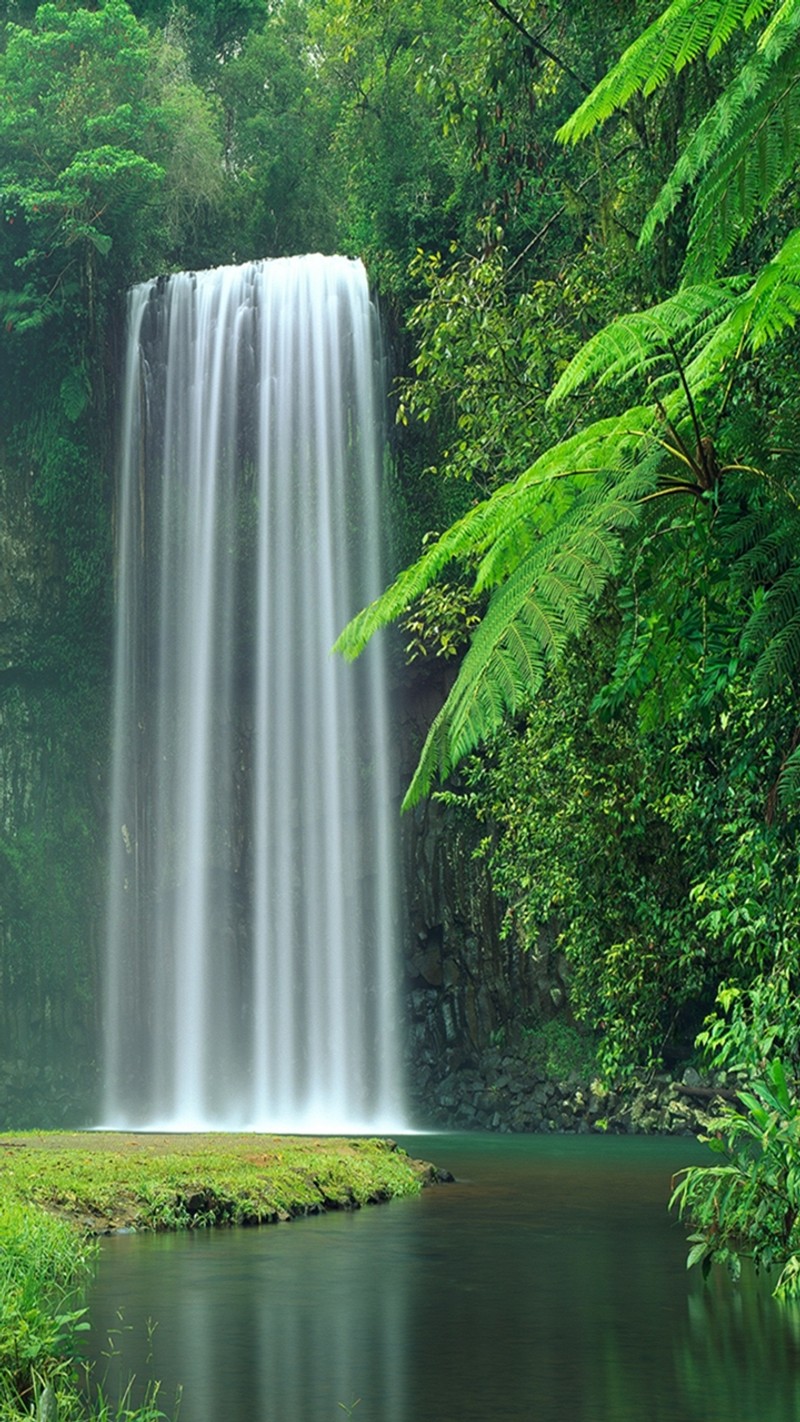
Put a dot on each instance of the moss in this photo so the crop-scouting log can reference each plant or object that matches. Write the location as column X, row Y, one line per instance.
column 105, row 1180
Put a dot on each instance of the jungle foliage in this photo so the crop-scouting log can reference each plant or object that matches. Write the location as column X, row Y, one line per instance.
column 669, row 524
column 630, row 687
column 590, row 279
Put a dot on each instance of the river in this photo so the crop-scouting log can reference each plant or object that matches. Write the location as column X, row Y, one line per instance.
column 548, row 1284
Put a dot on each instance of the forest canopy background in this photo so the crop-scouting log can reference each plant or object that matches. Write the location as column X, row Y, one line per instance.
column 581, row 226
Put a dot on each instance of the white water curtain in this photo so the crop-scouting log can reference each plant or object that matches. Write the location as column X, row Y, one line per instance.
column 252, row 968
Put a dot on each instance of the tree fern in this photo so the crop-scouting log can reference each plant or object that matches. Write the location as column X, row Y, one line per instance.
column 789, row 781
column 761, row 313
column 685, row 30
column 493, row 536
column 745, row 148
column 773, row 627
column 545, row 546
column 747, row 173
column 642, row 343
column 547, row 600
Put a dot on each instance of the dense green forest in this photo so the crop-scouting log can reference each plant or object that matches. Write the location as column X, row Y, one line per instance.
column 581, row 227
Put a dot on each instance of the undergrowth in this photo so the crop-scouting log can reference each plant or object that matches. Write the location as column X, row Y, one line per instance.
column 44, row 1264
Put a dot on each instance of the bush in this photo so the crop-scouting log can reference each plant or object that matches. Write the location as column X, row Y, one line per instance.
column 749, row 1207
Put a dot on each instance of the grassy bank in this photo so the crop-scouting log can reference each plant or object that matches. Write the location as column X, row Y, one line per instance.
column 58, row 1190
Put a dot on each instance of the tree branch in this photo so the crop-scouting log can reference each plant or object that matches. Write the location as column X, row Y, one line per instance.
column 537, row 44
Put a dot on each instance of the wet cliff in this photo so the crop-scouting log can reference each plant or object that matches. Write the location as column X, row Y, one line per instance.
column 468, row 986
column 52, row 734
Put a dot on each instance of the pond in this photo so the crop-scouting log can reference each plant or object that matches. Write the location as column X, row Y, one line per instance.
column 547, row 1284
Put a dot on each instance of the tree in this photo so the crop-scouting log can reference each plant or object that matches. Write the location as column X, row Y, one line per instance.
column 96, row 156
column 546, row 546
column 108, row 156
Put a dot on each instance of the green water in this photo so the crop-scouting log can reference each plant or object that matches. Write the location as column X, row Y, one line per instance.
column 548, row 1284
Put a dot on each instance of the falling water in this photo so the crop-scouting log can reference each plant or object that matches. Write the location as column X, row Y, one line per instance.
column 251, row 958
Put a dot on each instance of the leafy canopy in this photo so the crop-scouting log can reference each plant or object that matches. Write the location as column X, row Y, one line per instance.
column 546, row 545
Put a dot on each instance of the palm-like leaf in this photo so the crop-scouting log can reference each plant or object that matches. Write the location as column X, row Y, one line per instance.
column 683, row 32
column 548, row 600
column 789, row 783
column 742, row 152
column 547, row 545
column 496, row 533
column 761, row 314
column 746, row 147
column 643, row 343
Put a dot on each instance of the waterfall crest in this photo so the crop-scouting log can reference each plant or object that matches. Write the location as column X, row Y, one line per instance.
column 251, row 957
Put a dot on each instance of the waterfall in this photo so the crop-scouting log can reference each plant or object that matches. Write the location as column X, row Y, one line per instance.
column 251, row 973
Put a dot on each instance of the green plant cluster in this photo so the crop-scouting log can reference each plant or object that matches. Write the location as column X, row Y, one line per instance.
column 53, row 1187
column 749, row 1206
column 44, row 1265
column 42, row 1261
column 561, row 1049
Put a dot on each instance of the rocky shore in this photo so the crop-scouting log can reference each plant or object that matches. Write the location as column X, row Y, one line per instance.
column 501, row 1093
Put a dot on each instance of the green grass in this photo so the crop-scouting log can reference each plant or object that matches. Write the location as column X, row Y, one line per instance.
column 59, row 1189
column 105, row 1180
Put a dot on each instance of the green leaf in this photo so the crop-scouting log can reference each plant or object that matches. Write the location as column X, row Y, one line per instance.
column 681, row 34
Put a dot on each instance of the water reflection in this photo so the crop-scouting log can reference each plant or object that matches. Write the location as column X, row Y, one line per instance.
column 741, row 1349
column 548, row 1285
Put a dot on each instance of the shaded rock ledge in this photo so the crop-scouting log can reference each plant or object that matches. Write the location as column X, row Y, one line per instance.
column 505, row 1095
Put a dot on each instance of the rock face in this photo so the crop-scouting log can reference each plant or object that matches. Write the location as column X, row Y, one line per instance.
column 503, row 1091
column 52, row 734
column 465, row 983
column 30, row 577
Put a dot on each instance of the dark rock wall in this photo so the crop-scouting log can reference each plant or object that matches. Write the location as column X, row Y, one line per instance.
column 53, row 731
column 465, row 984
column 31, row 585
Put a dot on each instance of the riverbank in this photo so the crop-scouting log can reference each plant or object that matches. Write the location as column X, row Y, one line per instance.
column 107, row 1180
column 60, row 1189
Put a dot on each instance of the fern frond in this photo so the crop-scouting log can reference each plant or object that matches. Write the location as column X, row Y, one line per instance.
column 684, row 31
column 780, row 659
column 546, row 601
column 769, row 307
column 773, row 302
column 789, row 781
column 519, row 636
column 765, row 553
column 497, row 532
column 735, row 118
column 778, row 18
column 633, row 344
column 774, row 608
column 746, row 175
column 578, row 467
column 466, row 538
